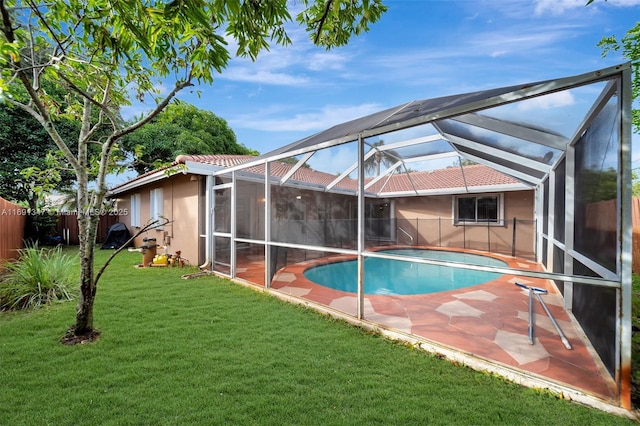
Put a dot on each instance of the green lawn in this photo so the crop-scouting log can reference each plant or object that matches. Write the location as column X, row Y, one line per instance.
column 207, row 351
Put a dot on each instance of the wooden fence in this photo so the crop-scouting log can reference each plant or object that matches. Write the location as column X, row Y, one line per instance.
column 603, row 216
column 12, row 221
column 13, row 218
column 67, row 227
column 635, row 215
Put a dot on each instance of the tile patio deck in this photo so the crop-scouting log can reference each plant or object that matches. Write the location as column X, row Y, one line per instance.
column 489, row 321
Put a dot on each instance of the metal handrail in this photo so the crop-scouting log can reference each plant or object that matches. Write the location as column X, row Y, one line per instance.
column 406, row 233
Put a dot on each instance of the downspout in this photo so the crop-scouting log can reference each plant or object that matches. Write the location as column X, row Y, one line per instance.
column 208, row 226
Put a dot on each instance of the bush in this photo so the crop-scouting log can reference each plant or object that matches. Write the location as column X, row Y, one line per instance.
column 39, row 276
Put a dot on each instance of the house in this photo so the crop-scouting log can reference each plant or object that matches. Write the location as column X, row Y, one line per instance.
column 474, row 197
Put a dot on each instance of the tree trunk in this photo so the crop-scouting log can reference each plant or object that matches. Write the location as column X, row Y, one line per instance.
column 87, row 225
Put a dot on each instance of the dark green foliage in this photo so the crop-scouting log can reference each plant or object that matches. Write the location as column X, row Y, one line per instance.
column 181, row 129
column 600, row 185
column 39, row 277
column 40, row 226
column 629, row 46
column 24, row 143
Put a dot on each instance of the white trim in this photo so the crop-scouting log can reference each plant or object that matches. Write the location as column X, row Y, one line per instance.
column 504, row 169
column 138, row 182
column 295, row 168
column 539, row 137
column 497, row 153
column 594, row 266
column 134, row 209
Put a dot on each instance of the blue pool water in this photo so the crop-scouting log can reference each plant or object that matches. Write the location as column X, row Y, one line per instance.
column 393, row 277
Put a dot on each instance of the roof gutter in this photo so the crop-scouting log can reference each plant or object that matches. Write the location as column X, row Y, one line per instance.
column 135, row 183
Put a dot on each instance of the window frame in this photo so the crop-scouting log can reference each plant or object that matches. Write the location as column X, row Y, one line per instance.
column 498, row 221
column 156, row 205
column 134, row 209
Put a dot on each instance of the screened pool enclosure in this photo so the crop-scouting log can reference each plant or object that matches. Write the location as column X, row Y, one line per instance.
column 537, row 175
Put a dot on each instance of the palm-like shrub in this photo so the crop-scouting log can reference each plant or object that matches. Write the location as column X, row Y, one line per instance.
column 39, row 276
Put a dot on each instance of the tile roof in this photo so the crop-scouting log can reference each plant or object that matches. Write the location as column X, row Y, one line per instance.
column 221, row 160
column 454, row 177
column 476, row 175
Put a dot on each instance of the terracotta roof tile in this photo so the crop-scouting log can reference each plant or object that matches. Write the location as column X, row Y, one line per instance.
column 474, row 175
column 221, row 160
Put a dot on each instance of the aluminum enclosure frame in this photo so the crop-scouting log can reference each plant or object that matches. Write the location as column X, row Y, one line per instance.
column 451, row 117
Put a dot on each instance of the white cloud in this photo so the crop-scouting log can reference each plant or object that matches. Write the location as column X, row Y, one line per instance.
column 137, row 108
column 335, row 160
column 292, row 65
column 553, row 100
column 262, row 76
column 522, row 39
column 326, row 61
column 277, row 120
column 558, row 7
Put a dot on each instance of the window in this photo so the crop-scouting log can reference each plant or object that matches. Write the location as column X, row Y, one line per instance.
column 378, row 220
column 479, row 209
column 156, row 204
column 135, row 210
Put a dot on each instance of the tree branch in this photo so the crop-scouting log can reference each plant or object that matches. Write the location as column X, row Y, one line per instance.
column 88, row 96
column 322, row 20
column 178, row 87
column 92, row 131
column 151, row 225
column 36, row 10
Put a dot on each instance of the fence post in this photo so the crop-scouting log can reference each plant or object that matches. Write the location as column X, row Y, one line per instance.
column 464, row 235
column 488, row 237
column 513, row 244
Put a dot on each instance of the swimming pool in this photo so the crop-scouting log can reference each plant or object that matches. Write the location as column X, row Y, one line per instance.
column 394, row 277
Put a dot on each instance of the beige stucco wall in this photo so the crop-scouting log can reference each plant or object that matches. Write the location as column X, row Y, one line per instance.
column 180, row 206
column 429, row 220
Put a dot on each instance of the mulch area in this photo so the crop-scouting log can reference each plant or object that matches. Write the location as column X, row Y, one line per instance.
column 71, row 338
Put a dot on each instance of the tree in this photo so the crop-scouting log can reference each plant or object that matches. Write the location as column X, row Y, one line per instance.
column 24, row 145
column 181, row 129
column 373, row 163
column 629, row 46
column 99, row 50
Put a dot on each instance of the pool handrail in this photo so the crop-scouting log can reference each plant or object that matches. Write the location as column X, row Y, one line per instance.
column 406, row 233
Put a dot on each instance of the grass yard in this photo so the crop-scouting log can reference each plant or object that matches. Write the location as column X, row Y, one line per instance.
column 207, row 351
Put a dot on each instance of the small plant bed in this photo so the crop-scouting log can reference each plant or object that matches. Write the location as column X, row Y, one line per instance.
column 73, row 338
column 40, row 276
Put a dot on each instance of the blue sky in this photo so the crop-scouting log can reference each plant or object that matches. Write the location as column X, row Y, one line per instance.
column 419, row 49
